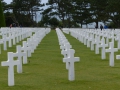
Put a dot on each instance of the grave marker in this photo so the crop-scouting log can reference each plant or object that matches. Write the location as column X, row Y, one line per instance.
column 97, row 45
column 5, row 41
column 117, row 56
column 25, row 49
column 10, row 63
column 19, row 54
column 111, row 51
column 71, row 59
column 66, row 52
column 103, row 46
column 1, row 42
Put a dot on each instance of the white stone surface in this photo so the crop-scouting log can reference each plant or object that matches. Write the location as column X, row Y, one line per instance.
column 25, row 49
column 111, row 51
column 19, row 54
column 97, row 45
column 66, row 52
column 10, row 63
column 103, row 46
column 5, row 41
column 117, row 56
column 70, row 60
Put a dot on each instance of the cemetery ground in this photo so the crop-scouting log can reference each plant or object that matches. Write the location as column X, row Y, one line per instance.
column 46, row 70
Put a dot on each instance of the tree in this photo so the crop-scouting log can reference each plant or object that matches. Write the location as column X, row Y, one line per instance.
column 2, row 19
column 44, row 21
column 54, row 22
column 81, row 12
column 61, row 9
column 25, row 11
column 113, row 11
column 69, row 13
column 8, row 18
column 97, row 9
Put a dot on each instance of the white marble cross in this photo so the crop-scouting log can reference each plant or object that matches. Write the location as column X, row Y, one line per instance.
column 1, row 42
column 26, row 50
column 97, row 45
column 65, row 52
column 103, row 46
column 88, row 40
column 65, row 46
column 14, row 37
column 107, row 38
column 19, row 54
column 17, row 37
column 71, row 59
column 118, row 40
column 29, row 45
column 85, row 39
column 5, row 41
column 63, row 41
column 117, row 56
column 10, row 40
column 10, row 63
column 111, row 51
column 35, row 43
column 92, row 42
column 112, row 36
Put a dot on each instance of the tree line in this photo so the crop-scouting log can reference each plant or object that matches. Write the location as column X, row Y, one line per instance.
column 62, row 13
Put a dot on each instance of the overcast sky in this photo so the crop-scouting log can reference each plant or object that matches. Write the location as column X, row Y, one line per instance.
column 8, row 1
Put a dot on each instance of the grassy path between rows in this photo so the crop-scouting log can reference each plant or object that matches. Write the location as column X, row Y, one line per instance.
column 46, row 70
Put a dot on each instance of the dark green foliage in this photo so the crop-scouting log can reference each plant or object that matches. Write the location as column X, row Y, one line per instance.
column 113, row 11
column 69, row 12
column 62, row 9
column 2, row 19
column 53, row 22
column 81, row 12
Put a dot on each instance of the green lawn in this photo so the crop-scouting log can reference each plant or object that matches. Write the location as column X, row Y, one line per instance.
column 46, row 70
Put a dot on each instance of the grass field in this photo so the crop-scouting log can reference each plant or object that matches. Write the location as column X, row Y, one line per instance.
column 46, row 70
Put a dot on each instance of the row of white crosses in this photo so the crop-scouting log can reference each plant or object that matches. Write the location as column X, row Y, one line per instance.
column 13, row 35
column 68, row 53
column 66, row 30
column 100, row 39
column 22, row 52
